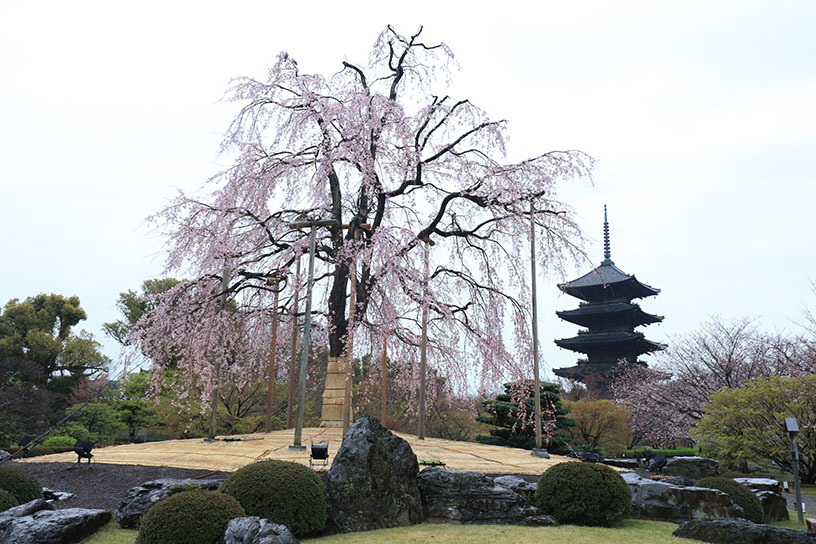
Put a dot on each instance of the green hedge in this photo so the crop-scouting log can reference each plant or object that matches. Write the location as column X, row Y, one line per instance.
column 36, row 451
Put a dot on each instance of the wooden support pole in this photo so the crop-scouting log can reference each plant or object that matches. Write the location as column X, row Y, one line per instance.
column 349, row 355
column 536, row 381
column 290, row 403
column 384, row 386
column 273, row 350
column 423, row 347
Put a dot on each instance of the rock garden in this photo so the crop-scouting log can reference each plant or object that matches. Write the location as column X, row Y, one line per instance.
column 375, row 483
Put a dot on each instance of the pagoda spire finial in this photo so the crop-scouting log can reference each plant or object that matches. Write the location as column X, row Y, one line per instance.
column 607, row 251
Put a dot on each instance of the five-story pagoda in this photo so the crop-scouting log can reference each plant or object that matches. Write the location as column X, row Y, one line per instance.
column 610, row 318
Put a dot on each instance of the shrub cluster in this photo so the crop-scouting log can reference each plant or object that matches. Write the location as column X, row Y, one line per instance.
column 740, row 495
column 676, row 452
column 19, row 483
column 583, row 494
column 60, row 441
column 190, row 517
column 7, row 500
column 283, row 492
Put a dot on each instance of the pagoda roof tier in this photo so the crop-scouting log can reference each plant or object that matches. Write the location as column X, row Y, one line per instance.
column 624, row 342
column 583, row 369
column 607, row 282
column 620, row 313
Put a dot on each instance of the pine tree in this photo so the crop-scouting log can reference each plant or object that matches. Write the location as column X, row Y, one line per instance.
column 513, row 411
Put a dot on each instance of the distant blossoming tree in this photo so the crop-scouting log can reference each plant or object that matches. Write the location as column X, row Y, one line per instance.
column 391, row 161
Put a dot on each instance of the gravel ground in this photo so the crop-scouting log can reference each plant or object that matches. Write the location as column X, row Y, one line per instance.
column 102, row 486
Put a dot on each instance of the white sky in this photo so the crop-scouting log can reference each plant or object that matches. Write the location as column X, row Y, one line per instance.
column 701, row 115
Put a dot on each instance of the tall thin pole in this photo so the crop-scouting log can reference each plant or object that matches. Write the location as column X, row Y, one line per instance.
column 350, row 342
column 304, row 349
column 384, row 386
column 423, row 346
column 273, row 349
column 293, row 350
column 214, row 393
column 536, row 382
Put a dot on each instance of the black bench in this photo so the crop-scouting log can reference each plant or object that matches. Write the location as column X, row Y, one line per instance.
column 83, row 450
column 319, row 454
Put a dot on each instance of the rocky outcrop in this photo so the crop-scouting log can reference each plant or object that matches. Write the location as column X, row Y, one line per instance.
column 141, row 498
column 692, row 467
column 372, row 483
column 52, row 526
column 761, row 484
column 255, row 530
column 25, row 509
column 774, row 506
column 52, row 495
column 519, row 485
column 769, row 492
column 4, row 455
column 740, row 531
column 622, row 462
column 453, row 496
column 658, row 500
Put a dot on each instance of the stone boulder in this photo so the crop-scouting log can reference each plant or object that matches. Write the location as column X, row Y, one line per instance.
column 622, row 462
column 255, row 530
column 519, row 485
column 52, row 495
column 25, row 509
column 660, row 501
column 692, row 467
column 53, row 526
column 4, row 455
column 741, row 531
column 141, row 498
column 454, row 496
column 774, row 506
column 372, row 483
column 761, row 484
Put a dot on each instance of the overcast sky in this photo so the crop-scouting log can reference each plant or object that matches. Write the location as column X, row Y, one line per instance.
column 702, row 116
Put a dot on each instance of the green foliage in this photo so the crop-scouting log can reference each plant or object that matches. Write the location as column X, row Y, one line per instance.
column 97, row 421
column 740, row 495
column 599, row 424
column 283, row 492
column 746, row 424
column 583, row 494
column 39, row 330
column 59, row 440
column 134, row 305
column 508, row 410
column 7, row 500
column 5, row 440
column 676, row 452
column 20, row 483
column 190, row 517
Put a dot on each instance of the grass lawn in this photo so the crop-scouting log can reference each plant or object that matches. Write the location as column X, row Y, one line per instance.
column 630, row 532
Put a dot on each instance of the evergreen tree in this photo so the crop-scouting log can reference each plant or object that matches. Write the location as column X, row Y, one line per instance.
column 513, row 411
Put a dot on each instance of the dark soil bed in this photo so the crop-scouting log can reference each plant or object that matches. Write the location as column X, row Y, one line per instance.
column 102, row 486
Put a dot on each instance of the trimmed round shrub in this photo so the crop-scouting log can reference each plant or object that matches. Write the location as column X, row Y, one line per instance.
column 583, row 494
column 7, row 500
column 190, row 517
column 740, row 495
column 21, row 484
column 281, row 491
